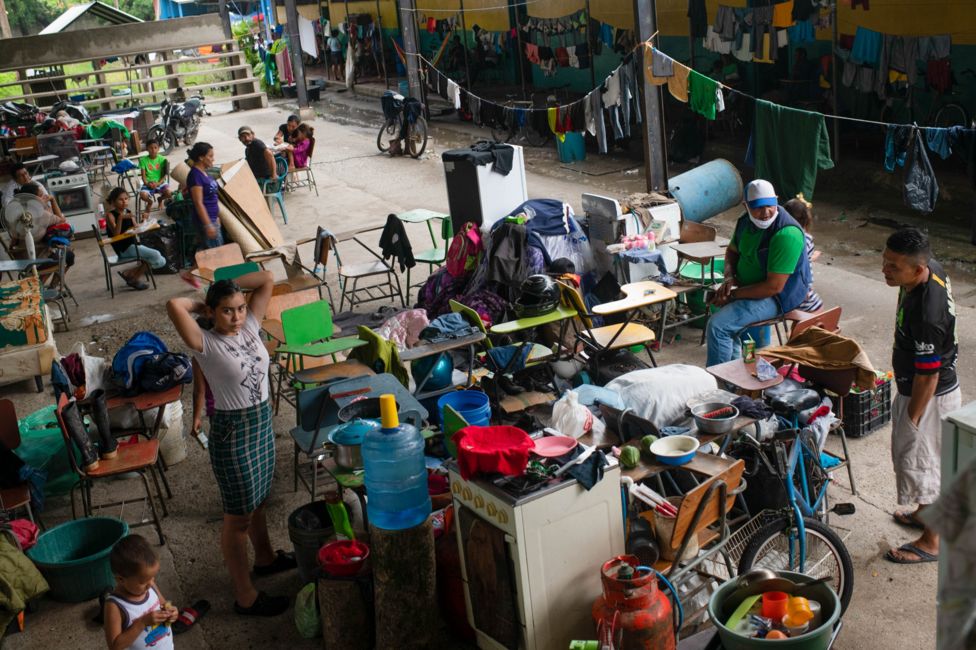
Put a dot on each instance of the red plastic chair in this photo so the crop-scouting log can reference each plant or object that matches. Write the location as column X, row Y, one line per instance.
column 18, row 496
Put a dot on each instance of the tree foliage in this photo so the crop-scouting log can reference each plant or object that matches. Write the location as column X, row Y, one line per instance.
column 28, row 17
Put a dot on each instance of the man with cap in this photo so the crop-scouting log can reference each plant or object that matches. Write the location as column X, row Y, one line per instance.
column 766, row 272
column 259, row 158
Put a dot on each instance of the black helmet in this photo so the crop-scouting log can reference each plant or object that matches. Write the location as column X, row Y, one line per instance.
column 539, row 295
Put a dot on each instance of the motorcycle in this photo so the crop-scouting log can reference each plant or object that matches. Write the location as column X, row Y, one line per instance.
column 178, row 121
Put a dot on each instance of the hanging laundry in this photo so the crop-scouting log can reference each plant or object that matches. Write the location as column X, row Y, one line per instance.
column 553, row 114
column 867, row 47
column 744, row 51
column 938, row 141
column 864, row 3
column 791, row 169
column 611, row 97
column 802, row 32
column 577, row 115
column 573, row 60
column 845, row 42
column 606, row 35
column 532, row 53
column 725, row 22
column 474, row 103
column 701, row 90
column 583, row 55
column 453, row 93
column 938, row 75
column 934, row 47
column 596, row 116
column 698, row 16
column 921, row 188
column 762, row 27
column 783, row 14
column 782, row 38
column 715, row 43
column 678, row 82
column 719, row 99
column 562, row 57
column 766, row 52
column 595, row 30
column 897, row 138
column 803, row 9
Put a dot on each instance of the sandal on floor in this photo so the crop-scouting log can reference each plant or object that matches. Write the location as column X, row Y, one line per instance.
column 923, row 557
column 282, row 562
column 264, row 605
column 190, row 615
column 908, row 519
column 135, row 284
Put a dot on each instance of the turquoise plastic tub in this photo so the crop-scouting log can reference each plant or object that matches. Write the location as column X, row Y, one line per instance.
column 571, row 149
column 73, row 557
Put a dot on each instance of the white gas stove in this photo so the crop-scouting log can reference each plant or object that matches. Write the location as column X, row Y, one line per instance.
column 531, row 562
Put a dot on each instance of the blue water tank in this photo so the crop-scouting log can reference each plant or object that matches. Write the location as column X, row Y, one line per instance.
column 396, row 474
column 707, row 190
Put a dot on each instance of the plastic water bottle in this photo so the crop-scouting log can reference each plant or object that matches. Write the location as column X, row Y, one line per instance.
column 396, row 475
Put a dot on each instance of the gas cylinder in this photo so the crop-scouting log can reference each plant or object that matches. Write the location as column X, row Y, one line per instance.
column 639, row 614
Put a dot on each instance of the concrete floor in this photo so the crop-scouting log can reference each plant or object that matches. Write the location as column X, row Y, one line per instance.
column 892, row 606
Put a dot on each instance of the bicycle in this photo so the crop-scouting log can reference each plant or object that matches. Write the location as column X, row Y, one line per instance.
column 404, row 121
column 796, row 537
column 902, row 109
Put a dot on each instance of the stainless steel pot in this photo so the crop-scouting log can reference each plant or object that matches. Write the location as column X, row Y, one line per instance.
column 349, row 456
column 348, row 438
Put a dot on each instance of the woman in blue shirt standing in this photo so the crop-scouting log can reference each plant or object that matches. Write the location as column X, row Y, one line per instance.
column 203, row 192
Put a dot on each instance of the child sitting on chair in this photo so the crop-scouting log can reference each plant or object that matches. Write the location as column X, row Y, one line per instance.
column 153, row 169
column 119, row 219
column 802, row 210
column 298, row 154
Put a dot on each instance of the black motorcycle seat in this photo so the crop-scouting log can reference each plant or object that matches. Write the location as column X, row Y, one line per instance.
column 794, row 401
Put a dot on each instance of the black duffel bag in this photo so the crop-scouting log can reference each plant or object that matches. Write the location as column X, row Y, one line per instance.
column 166, row 240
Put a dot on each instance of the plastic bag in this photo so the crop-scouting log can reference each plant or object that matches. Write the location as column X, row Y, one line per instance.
column 97, row 369
column 571, row 418
column 307, row 612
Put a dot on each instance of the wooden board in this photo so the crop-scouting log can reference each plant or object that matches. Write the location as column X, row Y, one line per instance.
column 243, row 189
column 638, row 294
column 235, row 229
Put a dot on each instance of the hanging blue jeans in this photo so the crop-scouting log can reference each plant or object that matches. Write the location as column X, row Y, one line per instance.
column 729, row 321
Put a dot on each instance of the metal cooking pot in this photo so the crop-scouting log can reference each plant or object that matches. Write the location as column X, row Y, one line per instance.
column 714, row 426
column 348, row 440
column 368, row 407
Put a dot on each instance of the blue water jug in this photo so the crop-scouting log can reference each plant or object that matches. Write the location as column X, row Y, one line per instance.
column 396, row 475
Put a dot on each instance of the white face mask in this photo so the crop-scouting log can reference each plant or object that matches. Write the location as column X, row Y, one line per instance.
column 762, row 225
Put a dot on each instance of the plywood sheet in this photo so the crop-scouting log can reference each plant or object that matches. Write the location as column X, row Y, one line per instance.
column 240, row 234
column 242, row 188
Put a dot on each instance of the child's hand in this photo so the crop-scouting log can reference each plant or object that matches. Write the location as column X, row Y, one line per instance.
column 154, row 617
column 172, row 610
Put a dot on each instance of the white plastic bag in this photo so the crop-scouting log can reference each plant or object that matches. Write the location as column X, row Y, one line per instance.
column 97, row 370
column 571, row 418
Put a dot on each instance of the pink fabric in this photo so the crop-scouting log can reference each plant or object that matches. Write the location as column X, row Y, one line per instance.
column 404, row 328
column 301, row 152
column 25, row 532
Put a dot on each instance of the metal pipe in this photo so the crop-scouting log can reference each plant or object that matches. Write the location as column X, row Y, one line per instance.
column 464, row 43
column 379, row 27
column 833, row 84
column 589, row 46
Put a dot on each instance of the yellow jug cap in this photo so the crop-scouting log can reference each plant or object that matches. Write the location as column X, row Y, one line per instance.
column 388, row 412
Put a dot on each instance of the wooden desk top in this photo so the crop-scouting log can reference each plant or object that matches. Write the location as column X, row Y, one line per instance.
column 430, row 349
column 737, row 373
column 699, row 251
column 639, row 294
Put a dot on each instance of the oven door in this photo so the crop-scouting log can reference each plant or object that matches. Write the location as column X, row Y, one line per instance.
column 491, row 582
column 73, row 200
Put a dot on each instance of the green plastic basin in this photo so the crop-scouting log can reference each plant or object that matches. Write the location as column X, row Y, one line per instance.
column 73, row 557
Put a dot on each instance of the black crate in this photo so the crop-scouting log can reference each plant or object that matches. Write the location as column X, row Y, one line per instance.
column 867, row 411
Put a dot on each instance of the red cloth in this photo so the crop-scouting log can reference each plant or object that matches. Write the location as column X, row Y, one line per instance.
column 938, row 75
column 562, row 57
column 492, row 450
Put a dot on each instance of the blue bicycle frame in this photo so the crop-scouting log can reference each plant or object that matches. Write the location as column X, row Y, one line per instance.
column 801, row 503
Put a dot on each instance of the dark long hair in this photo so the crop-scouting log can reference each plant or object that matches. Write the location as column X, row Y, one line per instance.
column 219, row 290
column 198, row 151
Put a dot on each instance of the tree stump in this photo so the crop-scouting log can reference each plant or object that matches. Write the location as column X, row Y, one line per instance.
column 346, row 610
column 405, row 586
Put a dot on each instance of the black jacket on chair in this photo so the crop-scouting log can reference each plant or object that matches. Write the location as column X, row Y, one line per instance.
column 394, row 243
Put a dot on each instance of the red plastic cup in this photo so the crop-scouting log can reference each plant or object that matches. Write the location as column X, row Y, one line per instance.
column 774, row 604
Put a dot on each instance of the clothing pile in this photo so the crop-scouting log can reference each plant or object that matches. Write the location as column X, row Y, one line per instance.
column 875, row 62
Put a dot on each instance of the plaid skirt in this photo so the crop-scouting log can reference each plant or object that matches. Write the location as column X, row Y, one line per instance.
column 242, row 455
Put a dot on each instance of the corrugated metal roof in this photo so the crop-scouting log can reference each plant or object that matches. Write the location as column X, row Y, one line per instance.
column 99, row 9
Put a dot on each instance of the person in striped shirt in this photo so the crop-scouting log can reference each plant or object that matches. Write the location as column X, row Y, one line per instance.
column 802, row 210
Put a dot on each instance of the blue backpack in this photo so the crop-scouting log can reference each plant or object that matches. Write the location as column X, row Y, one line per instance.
column 129, row 360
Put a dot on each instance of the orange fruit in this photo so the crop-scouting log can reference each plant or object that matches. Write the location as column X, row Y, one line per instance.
column 776, row 634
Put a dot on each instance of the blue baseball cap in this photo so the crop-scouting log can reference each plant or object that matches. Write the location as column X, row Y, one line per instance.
column 760, row 193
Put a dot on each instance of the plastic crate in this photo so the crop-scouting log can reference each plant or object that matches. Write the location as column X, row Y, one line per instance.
column 867, row 411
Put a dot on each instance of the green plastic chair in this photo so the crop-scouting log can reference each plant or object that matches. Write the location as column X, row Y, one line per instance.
column 434, row 257
column 235, row 271
column 273, row 188
column 308, row 331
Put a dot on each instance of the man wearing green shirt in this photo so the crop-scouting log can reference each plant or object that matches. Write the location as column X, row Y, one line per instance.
column 766, row 272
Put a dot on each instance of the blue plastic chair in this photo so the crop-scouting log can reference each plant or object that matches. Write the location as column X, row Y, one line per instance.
column 273, row 188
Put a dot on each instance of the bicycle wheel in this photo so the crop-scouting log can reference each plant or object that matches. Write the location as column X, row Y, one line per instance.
column 826, row 555
column 388, row 131
column 501, row 133
column 535, row 138
column 951, row 115
column 417, row 138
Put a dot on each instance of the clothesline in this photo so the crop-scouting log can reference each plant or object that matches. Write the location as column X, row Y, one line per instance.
column 518, row 3
column 648, row 43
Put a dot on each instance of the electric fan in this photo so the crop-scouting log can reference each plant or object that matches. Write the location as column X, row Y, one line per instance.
column 26, row 219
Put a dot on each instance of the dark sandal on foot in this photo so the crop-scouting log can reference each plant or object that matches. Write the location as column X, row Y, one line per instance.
column 190, row 615
column 264, row 605
column 283, row 562
column 908, row 519
column 922, row 556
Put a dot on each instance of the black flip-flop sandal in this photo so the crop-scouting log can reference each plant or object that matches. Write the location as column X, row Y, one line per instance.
column 908, row 519
column 923, row 557
column 283, row 562
column 265, row 605
column 135, row 284
column 190, row 615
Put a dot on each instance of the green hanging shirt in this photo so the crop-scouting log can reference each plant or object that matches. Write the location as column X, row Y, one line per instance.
column 790, row 147
column 702, row 94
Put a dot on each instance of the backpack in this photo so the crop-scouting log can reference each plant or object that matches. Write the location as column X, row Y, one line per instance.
column 465, row 250
column 129, row 360
column 162, row 371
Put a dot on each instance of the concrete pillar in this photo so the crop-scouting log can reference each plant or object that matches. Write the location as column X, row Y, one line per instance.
column 295, row 52
column 655, row 147
column 408, row 26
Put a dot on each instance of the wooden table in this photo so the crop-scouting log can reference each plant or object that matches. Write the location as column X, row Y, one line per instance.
column 737, row 373
column 638, row 296
column 38, row 163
